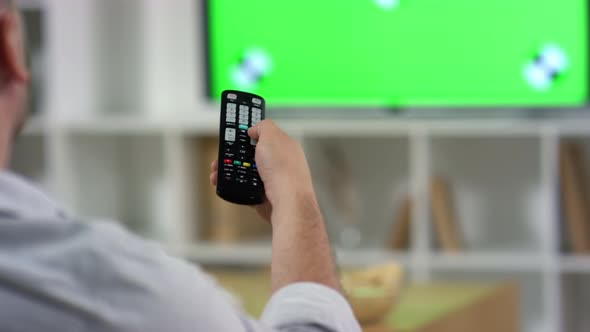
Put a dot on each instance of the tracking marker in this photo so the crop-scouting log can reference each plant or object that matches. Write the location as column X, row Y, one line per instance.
column 542, row 72
column 387, row 4
column 252, row 68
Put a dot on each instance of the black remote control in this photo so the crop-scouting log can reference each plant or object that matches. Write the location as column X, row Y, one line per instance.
column 237, row 179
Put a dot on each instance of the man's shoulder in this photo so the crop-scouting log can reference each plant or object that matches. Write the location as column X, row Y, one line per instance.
column 102, row 272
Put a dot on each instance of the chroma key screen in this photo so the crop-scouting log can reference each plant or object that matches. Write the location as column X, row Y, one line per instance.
column 401, row 53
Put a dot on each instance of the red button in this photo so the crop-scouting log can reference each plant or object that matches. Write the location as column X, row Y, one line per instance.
column 227, row 161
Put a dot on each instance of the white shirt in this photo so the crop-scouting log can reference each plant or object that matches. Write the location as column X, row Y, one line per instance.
column 59, row 274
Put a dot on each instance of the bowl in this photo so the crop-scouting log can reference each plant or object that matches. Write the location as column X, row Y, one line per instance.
column 372, row 292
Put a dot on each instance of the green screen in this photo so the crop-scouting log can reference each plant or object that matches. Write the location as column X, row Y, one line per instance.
column 401, row 53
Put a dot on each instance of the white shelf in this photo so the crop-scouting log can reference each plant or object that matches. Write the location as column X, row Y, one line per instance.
column 260, row 254
column 123, row 123
column 206, row 121
column 575, row 264
column 225, row 254
column 491, row 262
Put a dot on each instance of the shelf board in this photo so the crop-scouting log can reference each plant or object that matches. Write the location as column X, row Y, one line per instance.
column 575, row 264
column 504, row 262
column 129, row 124
column 260, row 254
column 225, row 254
column 206, row 121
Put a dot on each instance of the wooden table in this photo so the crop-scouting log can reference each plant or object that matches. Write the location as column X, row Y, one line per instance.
column 436, row 307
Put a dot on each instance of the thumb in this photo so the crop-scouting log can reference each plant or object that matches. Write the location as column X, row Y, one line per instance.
column 257, row 131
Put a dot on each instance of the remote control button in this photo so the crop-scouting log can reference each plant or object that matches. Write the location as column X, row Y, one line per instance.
column 244, row 108
column 227, row 161
column 232, row 96
column 243, row 127
column 247, row 164
column 231, row 107
column 256, row 101
column 237, row 162
column 253, row 142
column 254, row 166
column 256, row 111
column 230, row 134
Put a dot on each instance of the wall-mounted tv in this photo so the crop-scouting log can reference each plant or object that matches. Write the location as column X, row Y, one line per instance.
column 401, row 53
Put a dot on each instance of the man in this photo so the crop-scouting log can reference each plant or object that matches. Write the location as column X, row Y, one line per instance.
column 57, row 274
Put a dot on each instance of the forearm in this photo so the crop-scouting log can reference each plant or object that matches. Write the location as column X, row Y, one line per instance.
column 300, row 246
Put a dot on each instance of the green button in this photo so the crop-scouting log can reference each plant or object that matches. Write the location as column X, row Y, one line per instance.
column 237, row 162
column 243, row 127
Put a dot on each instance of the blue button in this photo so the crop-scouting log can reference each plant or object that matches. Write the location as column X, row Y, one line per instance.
column 243, row 127
column 254, row 166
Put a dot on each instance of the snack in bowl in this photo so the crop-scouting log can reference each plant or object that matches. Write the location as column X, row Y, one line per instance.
column 372, row 292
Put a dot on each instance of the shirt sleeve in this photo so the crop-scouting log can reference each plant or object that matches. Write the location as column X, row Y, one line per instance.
column 309, row 307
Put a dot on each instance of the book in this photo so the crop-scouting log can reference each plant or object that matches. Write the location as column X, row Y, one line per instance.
column 443, row 216
column 574, row 198
column 401, row 230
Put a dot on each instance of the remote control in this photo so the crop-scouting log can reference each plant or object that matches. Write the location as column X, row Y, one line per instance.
column 237, row 179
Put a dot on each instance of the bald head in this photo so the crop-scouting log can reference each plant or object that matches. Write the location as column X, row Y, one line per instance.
column 14, row 77
column 6, row 3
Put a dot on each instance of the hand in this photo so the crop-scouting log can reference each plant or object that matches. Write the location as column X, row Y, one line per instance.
column 283, row 169
column 264, row 209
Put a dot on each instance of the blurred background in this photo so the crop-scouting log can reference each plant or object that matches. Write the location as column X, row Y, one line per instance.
column 449, row 137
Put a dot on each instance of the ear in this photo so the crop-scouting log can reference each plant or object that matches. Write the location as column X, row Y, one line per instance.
column 12, row 59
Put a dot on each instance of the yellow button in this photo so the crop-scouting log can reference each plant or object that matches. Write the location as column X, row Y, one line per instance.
column 246, row 164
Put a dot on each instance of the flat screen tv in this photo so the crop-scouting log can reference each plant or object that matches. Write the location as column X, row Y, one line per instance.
column 401, row 53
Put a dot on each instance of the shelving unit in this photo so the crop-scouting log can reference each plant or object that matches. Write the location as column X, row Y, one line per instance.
column 116, row 140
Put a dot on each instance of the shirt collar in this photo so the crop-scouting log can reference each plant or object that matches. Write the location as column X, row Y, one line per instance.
column 21, row 199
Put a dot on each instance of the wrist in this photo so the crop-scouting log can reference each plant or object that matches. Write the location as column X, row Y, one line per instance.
column 298, row 204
